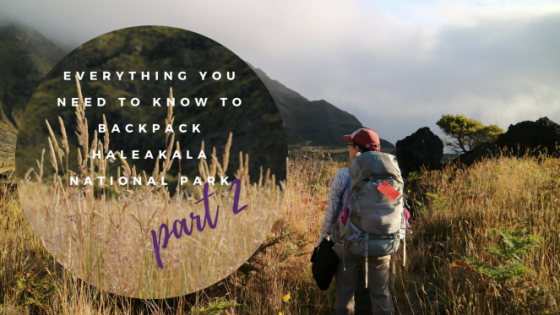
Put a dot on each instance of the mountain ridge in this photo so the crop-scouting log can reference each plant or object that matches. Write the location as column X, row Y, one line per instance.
column 26, row 56
column 305, row 120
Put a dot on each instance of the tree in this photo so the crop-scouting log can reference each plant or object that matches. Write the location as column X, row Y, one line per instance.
column 465, row 134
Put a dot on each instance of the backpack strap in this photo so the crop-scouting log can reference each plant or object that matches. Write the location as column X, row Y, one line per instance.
column 367, row 244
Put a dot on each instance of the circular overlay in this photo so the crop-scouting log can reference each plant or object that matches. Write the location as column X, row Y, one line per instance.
column 151, row 162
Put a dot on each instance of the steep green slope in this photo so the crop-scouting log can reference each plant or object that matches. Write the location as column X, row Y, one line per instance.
column 256, row 126
column 26, row 57
column 317, row 121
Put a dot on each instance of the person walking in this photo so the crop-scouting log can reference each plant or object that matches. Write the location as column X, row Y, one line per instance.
column 346, row 277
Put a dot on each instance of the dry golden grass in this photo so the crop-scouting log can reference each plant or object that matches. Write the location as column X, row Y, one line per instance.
column 454, row 210
column 105, row 235
column 108, row 243
column 522, row 194
column 7, row 164
column 269, row 276
column 518, row 193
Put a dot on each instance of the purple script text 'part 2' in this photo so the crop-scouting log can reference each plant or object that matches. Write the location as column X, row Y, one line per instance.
column 180, row 226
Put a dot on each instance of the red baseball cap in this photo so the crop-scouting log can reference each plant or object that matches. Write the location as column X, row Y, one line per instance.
column 364, row 137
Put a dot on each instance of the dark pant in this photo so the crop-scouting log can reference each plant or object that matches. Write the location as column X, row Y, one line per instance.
column 347, row 278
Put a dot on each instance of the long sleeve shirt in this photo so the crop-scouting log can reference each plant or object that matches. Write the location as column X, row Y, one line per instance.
column 334, row 204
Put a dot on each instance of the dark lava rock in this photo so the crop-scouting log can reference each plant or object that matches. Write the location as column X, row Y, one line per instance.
column 481, row 152
column 527, row 136
column 537, row 136
column 420, row 148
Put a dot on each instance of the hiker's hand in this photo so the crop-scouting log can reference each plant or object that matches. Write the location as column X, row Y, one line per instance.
column 321, row 238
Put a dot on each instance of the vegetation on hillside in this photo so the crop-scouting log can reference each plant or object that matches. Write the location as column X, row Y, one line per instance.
column 319, row 123
column 25, row 57
column 159, row 49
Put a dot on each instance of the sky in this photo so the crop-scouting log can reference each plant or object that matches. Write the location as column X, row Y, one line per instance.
column 396, row 65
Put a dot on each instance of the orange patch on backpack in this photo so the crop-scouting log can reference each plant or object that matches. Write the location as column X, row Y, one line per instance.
column 388, row 190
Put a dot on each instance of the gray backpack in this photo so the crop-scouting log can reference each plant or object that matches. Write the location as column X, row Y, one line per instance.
column 375, row 224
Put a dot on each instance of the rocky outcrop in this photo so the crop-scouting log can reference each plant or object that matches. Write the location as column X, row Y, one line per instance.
column 532, row 136
column 478, row 153
column 422, row 148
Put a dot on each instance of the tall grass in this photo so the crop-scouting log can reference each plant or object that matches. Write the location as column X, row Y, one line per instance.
column 105, row 234
column 455, row 208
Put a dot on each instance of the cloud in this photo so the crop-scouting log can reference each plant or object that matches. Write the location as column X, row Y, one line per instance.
column 396, row 65
column 269, row 27
column 400, row 75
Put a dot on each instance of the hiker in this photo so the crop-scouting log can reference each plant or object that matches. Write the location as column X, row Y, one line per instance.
column 346, row 278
